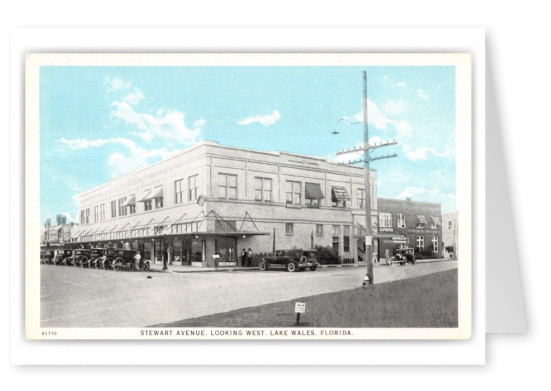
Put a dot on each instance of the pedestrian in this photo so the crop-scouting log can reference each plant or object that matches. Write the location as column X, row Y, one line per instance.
column 137, row 259
column 244, row 257
column 249, row 257
column 169, row 255
column 374, row 259
column 387, row 256
column 165, row 261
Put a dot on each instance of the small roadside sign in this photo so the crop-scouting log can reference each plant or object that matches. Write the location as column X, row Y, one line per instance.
column 300, row 308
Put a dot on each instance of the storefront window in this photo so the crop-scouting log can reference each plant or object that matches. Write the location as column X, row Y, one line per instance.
column 346, row 238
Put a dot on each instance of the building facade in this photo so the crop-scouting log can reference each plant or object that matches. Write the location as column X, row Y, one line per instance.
column 450, row 232
column 409, row 224
column 53, row 235
column 206, row 204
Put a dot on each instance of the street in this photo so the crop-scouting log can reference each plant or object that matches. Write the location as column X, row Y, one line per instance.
column 75, row 297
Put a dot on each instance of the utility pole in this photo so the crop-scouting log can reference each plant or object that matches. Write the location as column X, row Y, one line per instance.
column 366, row 148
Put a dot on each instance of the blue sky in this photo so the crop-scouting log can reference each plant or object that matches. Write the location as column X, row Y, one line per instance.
column 97, row 123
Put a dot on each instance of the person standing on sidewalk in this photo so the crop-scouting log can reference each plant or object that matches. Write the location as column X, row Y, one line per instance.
column 249, row 257
column 165, row 261
column 374, row 258
column 387, row 256
column 137, row 259
column 244, row 257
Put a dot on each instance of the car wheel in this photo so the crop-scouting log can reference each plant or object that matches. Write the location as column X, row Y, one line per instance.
column 131, row 266
column 313, row 268
column 145, row 266
column 291, row 267
column 262, row 266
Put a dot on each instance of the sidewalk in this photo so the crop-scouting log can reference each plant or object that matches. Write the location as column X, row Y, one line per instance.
column 197, row 269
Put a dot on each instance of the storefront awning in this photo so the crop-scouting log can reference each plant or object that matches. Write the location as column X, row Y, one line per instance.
column 312, row 191
column 436, row 220
column 131, row 201
column 421, row 219
column 155, row 193
column 145, row 197
column 339, row 193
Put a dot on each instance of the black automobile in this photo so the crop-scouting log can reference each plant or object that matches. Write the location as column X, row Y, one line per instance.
column 80, row 257
column 290, row 260
column 61, row 256
column 404, row 256
column 124, row 260
column 96, row 258
column 46, row 256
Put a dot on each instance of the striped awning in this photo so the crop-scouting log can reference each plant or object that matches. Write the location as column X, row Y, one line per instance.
column 155, row 193
column 339, row 193
column 312, row 191
column 436, row 220
column 145, row 197
column 421, row 219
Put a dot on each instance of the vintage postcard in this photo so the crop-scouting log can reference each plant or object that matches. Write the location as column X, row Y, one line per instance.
column 248, row 196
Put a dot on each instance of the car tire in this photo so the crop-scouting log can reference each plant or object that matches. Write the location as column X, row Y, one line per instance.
column 291, row 267
column 117, row 261
column 145, row 266
column 263, row 266
column 313, row 268
column 131, row 266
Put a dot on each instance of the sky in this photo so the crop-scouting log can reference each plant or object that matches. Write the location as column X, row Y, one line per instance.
column 98, row 122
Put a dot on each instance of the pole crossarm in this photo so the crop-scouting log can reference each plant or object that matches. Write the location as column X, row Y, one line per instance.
column 370, row 147
column 372, row 159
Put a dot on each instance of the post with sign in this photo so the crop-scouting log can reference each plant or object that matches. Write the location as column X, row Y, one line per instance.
column 300, row 308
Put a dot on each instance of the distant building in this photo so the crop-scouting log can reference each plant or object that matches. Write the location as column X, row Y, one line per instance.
column 407, row 223
column 450, row 234
column 56, row 234
column 210, row 201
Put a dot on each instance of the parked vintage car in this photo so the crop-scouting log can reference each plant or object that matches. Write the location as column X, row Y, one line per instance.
column 124, row 260
column 80, row 257
column 96, row 258
column 46, row 256
column 291, row 260
column 403, row 256
column 61, row 255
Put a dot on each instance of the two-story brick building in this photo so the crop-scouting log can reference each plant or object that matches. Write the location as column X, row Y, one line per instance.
column 407, row 223
column 211, row 201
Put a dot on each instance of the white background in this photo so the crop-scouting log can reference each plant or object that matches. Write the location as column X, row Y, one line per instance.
column 517, row 47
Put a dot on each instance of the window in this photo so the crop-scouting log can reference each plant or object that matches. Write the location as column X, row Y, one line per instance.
column 293, row 193
column 227, row 186
column 102, row 212
column 420, row 242
column 192, row 188
column 82, row 217
column 339, row 196
column 113, row 209
column 336, row 231
column 313, row 194
column 421, row 221
column 122, row 209
column 178, row 191
column 289, row 229
column 346, row 238
column 450, row 224
column 147, row 204
column 401, row 220
column 361, row 198
column 132, row 204
column 87, row 215
column 385, row 220
column 262, row 189
column 96, row 213
column 158, row 202
column 319, row 229
column 434, row 244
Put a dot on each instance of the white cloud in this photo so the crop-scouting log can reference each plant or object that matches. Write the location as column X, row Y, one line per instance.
column 393, row 107
column 167, row 124
column 134, row 97
column 411, row 192
column 422, row 153
column 265, row 120
column 401, row 84
column 116, row 84
column 199, row 122
column 68, row 216
column 422, row 94
column 378, row 118
column 120, row 163
column 403, row 129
